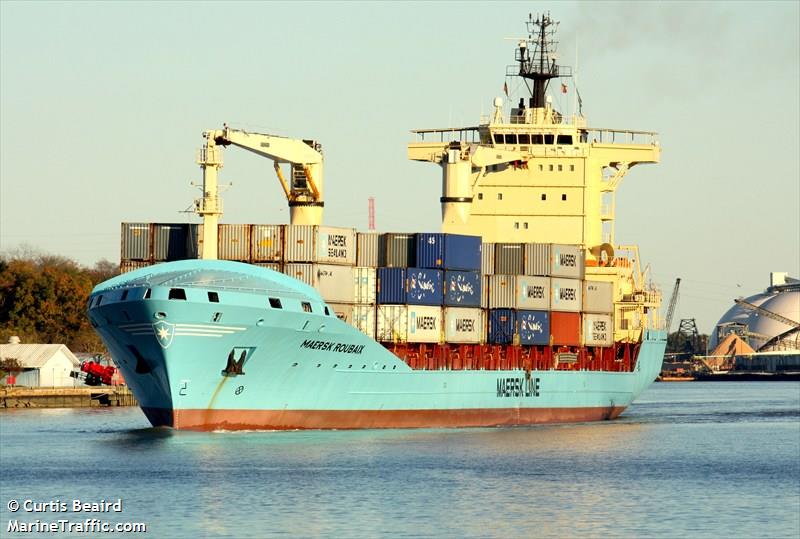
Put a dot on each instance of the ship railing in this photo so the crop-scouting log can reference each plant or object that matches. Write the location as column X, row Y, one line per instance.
column 621, row 136
column 451, row 134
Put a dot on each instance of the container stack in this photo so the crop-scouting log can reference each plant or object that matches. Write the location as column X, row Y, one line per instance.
column 144, row 244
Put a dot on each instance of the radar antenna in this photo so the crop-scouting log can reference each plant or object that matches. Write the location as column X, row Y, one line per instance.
column 536, row 58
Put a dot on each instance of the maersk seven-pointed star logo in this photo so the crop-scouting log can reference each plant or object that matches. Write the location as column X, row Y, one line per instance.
column 164, row 332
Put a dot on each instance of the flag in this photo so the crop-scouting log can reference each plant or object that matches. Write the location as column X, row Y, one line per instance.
column 505, row 88
column 563, row 88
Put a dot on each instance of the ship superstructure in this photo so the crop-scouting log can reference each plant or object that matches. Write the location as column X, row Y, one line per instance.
column 522, row 310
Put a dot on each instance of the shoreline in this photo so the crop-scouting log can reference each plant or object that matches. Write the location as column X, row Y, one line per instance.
column 67, row 397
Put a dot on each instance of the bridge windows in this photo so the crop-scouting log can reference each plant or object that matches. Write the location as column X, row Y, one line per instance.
column 548, row 139
column 564, row 139
column 524, row 138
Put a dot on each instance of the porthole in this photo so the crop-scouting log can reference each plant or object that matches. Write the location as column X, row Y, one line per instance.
column 159, row 315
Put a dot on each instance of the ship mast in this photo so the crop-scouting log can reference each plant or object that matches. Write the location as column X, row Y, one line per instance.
column 536, row 59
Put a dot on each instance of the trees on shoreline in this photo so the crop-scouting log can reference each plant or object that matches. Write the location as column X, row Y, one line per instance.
column 43, row 299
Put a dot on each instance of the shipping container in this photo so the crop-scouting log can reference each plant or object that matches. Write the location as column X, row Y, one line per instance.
column 565, row 329
column 566, row 295
column 194, row 235
column 391, row 285
column 448, row 251
column 566, row 261
column 533, row 327
column 364, row 319
column 425, row 324
column 267, row 243
column 462, row 288
column 424, row 286
column 501, row 326
column 502, row 291
column 598, row 297
column 533, row 293
column 169, row 241
column 409, row 323
column 335, row 283
column 463, row 325
column 367, row 249
column 392, row 323
column 131, row 265
column 398, row 251
column 485, row 291
column 320, row 244
column 537, row 259
column 136, row 241
column 233, row 242
column 597, row 330
column 343, row 311
column 487, row 258
column 274, row 266
column 364, row 281
column 508, row 258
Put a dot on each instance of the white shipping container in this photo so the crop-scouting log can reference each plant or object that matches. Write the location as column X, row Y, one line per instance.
column 364, row 319
column 537, row 259
column 334, row 283
column 343, row 311
column 565, row 295
column 425, row 323
column 364, row 285
column 266, row 243
column 487, row 258
column 367, row 249
column 502, row 292
column 392, row 323
column 597, row 330
column 566, row 261
column 533, row 293
column 409, row 323
column 274, row 266
column 463, row 325
column 485, row 291
column 321, row 244
column 598, row 297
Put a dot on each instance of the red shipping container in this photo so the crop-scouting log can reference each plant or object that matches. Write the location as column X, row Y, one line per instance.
column 565, row 329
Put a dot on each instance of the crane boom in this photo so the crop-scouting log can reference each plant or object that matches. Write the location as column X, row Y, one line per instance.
column 303, row 190
column 769, row 314
column 673, row 300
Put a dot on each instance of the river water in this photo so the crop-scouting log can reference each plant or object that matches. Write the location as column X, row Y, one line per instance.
column 700, row 460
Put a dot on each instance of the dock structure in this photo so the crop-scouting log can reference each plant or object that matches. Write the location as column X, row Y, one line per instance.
column 72, row 397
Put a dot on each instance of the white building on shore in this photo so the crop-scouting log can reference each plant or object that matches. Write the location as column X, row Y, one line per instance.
column 43, row 365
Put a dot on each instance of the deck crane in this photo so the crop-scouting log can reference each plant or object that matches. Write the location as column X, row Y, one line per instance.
column 673, row 300
column 304, row 193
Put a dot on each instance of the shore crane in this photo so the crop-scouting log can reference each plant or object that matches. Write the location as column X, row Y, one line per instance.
column 304, row 191
column 672, row 302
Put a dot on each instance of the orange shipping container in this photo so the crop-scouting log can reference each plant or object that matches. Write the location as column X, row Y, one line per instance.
column 565, row 328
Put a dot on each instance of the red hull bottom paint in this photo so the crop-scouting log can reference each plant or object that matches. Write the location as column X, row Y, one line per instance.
column 205, row 420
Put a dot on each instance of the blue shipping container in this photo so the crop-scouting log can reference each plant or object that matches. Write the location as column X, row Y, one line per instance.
column 448, row 251
column 534, row 327
column 501, row 326
column 462, row 288
column 391, row 285
column 424, row 286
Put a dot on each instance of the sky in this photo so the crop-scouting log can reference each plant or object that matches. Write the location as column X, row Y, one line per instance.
column 102, row 106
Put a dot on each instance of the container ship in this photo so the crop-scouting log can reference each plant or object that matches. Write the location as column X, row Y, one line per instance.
column 521, row 310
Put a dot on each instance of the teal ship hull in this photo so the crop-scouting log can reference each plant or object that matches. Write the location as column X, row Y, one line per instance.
column 207, row 345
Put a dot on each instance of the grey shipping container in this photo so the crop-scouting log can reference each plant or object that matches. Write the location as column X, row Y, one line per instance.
column 233, row 242
column 537, row 259
column 597, row 330
column 266, row 243
column 131, row 265
column 463, row 325
column 398, row 250
column 335, row 283
column 509, row 258
column 136, row 241
column 598, row 297
column 367, row 249
column 321, row 244
column 487, row 259
column 193, row 236
column 566, row 261
column 485, row 291
column 565, row 295
column 502, row 291
column 169, row 241
column 533, row 293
